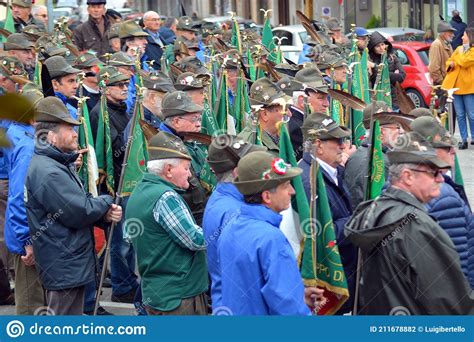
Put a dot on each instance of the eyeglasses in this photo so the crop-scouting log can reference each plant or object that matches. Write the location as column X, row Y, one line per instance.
column 121, row 85
column 193, row 119
column 339, row 141
column 433, row 173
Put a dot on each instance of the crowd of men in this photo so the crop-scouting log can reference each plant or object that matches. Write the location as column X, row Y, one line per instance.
column 203, row 224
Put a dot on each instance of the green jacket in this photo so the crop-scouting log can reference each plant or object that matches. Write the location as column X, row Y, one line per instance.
column 409, row 264
column 249, row 135
column 170, row 272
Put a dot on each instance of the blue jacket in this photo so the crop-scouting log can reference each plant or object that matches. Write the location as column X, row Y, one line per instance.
column 341, row 211
column 3, row 164
column 154, row 48
column 460, row 27
column 167, row 35
column 223, row 205
column 260, row 276
column 454, row 215
column 70, row 108
column 17, row 159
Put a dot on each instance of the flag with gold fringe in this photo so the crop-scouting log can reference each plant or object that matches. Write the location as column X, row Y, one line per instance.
column 377, row 164
column 360, row 89
column 320, row 262
column 384, row 90
column 103, row 147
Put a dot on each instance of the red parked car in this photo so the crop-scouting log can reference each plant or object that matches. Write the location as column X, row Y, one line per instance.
column 414, row 58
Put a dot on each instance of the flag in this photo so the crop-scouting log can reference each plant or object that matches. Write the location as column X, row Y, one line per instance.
column 251, row 66
column 241, row 104
column 320, row 262
column 103, row 148
column 267, row 41
column 377, row 164
column 360, row 89
column 236, row 38
column 8, row 24
column 279, row 57
column 222, row 109
column 135, row 165
column 299, row 209
column 457, row 172
column 88, row 172
column 337, row 112
column 37, row 73
column 384, row 90
column 209, row 125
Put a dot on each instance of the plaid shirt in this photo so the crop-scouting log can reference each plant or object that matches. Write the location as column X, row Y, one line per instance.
column 171, row 213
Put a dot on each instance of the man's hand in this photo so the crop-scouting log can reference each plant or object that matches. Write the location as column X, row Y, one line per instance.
column 114, row 214
column 78, row 162
column 29, row 258
column 313, row 296
column 347, row 152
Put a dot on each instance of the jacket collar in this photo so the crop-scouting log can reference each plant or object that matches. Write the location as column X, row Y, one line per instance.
column 151, row 118
column 152, row 178
column 229, row 189
column 404, row 196
column 54, row 153
column 261, row 213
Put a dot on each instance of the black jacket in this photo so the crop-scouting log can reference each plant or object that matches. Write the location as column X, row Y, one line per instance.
column 154, row 50
column 61, row 216
column 409, row 264
column 460, row 27
column 341, row 211
column 393, row 63
column 118, row 119
column 87, row 36
column 296, row 135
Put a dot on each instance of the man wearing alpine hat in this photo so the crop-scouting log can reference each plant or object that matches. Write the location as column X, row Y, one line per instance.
column 261, row 276
column 409, row 263
column 325, row 141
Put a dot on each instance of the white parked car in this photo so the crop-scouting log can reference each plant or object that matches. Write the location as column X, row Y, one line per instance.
column 293, row 38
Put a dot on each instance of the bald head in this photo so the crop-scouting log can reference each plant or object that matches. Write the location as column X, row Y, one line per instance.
column 151, row 21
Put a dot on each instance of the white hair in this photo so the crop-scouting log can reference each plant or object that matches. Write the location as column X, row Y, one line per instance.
column 395, row 171
column 37, row 8
column 149, row 13
column 157, row 166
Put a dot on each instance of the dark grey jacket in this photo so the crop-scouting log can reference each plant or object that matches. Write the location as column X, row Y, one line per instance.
column 409, row 263
column 61, row 216
column 87, row 36
column 355, row 172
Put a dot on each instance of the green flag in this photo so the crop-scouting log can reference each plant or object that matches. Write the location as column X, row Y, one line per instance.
column 360, row 89
column 138, row 156
column 267, row 41
column 236, row 39
column 89, row 170
column 8, row 24
column 457, row 172
column 384, row 90
column 377, row 167
column 251, row 66
column 103, row 147
column 241, row 104
column 209, row 125
column 321, row 263
column 299, row 210
column 222, row 109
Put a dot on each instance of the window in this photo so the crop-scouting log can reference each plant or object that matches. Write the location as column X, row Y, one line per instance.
column 286, row 34
column 402, row 57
